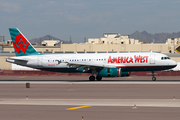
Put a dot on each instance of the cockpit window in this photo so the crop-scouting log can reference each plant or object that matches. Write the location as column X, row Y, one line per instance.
column 164, row 58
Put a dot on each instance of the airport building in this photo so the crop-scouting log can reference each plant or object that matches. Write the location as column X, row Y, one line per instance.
column 109, row 43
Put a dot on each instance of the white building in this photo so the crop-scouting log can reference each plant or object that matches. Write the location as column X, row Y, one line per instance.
column 50, row 42
column 113, row 38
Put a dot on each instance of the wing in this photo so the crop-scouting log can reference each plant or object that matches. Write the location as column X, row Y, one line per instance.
column 88, row 66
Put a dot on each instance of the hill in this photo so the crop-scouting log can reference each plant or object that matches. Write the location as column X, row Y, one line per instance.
column 47, row 37
column 158, row 37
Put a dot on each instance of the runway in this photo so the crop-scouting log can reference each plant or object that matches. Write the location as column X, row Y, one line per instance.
column 95, row 102
column 67, row 99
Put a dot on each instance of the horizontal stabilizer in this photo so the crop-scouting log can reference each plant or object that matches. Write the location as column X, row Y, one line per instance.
column 16, row 58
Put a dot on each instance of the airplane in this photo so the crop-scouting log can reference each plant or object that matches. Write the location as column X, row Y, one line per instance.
column 101, row 64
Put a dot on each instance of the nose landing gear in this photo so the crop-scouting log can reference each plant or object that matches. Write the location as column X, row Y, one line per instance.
column 153, row 78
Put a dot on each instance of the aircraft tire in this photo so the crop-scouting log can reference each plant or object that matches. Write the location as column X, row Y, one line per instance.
column 98, row 78
column 154, row 78
column 91, row 78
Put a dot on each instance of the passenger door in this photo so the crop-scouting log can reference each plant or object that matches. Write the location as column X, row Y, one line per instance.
column 152, row 58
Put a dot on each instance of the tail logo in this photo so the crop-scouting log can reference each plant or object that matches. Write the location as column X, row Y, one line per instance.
column 20, row 44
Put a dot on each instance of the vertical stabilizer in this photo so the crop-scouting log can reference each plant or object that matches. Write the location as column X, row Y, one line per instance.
column 22, row 46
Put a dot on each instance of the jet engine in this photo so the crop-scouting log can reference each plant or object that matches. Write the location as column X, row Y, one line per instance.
column 112, row 72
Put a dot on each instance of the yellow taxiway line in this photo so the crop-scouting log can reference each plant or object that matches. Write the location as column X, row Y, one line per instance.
column 78, row 107
column 22, row 77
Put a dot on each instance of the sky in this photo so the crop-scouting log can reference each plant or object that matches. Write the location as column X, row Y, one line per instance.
column 88, row 18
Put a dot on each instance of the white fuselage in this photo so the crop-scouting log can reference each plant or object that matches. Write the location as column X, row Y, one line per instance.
column 127, row 61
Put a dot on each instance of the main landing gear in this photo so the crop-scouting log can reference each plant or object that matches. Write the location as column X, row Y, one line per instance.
column 92, row 78
column 98, row 78
column 153, row 78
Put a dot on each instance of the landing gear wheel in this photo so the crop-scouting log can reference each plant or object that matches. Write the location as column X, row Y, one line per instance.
column 92, row 78
column 98, row 78
column 154, row 78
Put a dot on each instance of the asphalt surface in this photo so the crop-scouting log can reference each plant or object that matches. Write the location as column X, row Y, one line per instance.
column 14, row 112
column 84, row 78
column 74, row 97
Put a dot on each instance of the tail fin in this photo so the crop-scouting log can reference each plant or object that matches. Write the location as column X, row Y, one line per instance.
column 22, row 46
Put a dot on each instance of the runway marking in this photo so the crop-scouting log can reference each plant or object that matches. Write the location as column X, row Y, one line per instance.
column 78, row 107
column 22, row 77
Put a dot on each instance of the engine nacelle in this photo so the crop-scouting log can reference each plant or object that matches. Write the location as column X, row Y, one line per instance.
column 112, row 72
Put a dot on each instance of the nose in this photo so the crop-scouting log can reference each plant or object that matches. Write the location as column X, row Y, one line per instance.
column 174, row 63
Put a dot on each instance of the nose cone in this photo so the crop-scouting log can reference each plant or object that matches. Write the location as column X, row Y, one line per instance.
column 173, row 63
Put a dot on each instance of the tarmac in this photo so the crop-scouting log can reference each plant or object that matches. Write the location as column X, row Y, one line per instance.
column 82, row 78
column 76, row 98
